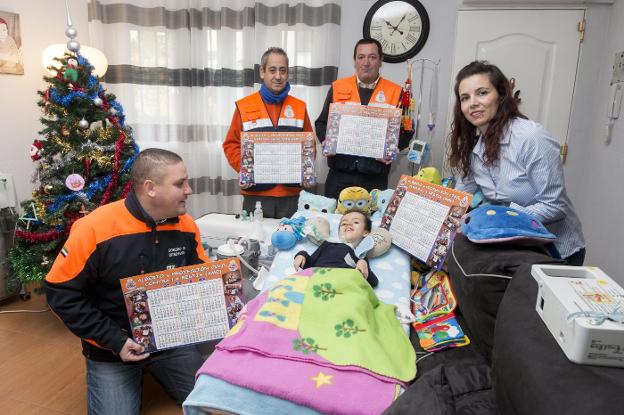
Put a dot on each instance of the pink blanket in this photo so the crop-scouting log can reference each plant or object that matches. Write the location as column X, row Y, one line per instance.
column 265, row 353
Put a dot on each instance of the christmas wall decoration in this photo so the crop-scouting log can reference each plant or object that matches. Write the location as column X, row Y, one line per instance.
column 82, row 160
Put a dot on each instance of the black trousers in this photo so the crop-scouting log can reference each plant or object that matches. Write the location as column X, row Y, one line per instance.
column 338, row 180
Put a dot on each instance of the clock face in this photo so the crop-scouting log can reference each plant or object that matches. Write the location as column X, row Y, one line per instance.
column 402, row 28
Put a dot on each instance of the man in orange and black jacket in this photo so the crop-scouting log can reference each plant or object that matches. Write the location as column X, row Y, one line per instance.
column 270, row 109
column 146, row 232
column 366, row 87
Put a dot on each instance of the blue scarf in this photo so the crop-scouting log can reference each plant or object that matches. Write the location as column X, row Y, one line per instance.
column 271, row 98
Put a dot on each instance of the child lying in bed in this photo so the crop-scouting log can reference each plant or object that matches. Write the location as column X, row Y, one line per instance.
column 354, row 226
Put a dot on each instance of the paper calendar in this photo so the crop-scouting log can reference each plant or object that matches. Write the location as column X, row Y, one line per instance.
column 184, row 305
column 423, row 218
column 362, row 130
column 277, row 158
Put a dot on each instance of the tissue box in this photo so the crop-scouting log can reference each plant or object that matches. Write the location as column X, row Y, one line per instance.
column 564, row 290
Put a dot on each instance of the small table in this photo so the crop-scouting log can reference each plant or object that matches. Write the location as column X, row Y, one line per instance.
column 216, row 228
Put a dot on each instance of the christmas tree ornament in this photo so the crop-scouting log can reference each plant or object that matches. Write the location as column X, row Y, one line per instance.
column 71, row 32
column 75, row 182
column 87, row 166
column 64, row 131
column 73, row 46
column 48, row 187
column 71, row 72
column 97, row 101
column 36, row 149
column 83, row 123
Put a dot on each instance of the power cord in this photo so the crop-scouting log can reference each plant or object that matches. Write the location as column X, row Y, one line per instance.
column 25, row 311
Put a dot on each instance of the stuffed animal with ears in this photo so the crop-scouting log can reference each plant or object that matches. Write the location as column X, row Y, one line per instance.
column 379, row 201
column 288, row 233
column 353, row 198
column 315, row 203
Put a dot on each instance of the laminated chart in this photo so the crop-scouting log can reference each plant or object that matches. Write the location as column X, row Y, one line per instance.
column 423, row 218
column 185, row 305
column 362, row 130
column 277, row 158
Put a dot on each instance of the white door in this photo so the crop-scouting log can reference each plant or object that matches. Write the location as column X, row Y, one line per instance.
column 539, row 48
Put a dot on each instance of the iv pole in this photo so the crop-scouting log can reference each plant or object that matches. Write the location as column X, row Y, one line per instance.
column 422, row 61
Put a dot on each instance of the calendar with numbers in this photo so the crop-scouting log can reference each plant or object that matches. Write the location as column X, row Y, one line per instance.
column 362, row 130
column 185, row 305
column 277, row 158
column 423, row 218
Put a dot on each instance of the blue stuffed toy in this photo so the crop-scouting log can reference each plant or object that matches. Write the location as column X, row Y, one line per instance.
column 498, row 223
column 315, row 203
column 379, row 201
column 288, row 233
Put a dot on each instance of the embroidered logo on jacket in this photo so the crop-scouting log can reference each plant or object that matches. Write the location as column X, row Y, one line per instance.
column 381, row 97
column 288, row 111
column 177, row 251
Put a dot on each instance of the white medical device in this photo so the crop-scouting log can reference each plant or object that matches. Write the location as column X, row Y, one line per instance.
column 583, row 309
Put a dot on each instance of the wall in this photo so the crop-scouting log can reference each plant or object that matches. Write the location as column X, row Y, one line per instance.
column 440, row 45
column 594, row 170
column 43, row 23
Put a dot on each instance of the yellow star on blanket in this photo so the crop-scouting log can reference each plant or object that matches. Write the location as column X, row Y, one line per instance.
column 322, row 379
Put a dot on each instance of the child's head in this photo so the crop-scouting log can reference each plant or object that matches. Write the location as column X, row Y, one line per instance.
column 354, row 226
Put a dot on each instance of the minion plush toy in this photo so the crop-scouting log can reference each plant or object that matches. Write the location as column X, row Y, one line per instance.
column 353, row 198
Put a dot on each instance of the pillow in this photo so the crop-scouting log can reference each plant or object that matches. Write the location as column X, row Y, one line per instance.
column 497, row 223
column 379, row 201
column 315, row 203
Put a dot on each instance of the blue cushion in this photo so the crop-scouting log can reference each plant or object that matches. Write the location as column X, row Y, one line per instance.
column 497, row 223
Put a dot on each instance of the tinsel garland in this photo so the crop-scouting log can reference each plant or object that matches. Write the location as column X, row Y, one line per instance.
column 94, row 187
column 35, row 237
column 24, row 264
column 113, row 183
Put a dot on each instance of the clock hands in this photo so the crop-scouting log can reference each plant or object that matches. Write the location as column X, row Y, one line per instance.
column 396, row 28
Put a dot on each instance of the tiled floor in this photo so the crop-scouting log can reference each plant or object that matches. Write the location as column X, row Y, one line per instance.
column 42, row 368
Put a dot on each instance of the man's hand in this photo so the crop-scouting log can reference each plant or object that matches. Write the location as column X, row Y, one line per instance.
column 362, row 266
column 299, row 262
column 131, row 351
column 384, row 161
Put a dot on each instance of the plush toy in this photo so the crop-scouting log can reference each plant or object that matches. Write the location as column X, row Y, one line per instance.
column 379, row 201
column 429, row 174
column 497, row 223
column 315, row 203
column 288, row 233
column 375, row 244
column 353, row 198
column 316, row 229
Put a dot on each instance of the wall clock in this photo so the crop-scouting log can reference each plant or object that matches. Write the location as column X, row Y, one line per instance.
column 401, row 26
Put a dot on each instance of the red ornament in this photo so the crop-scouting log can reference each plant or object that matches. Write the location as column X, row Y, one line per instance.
column 36, row 148
column 87, row 166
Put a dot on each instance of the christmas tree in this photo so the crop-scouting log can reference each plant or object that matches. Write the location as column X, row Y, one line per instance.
column 82, row 158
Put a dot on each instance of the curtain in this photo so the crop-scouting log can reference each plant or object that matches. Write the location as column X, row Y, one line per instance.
column 178, row 66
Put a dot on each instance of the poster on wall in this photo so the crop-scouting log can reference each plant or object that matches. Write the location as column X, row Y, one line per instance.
column 11, row 60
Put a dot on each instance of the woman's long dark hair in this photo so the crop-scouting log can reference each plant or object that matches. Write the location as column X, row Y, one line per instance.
column 462, row 137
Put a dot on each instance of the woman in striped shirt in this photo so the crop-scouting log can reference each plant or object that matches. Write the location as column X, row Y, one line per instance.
column 513, row 160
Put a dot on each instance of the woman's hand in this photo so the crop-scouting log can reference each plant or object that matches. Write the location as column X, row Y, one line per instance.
column 362, row 266
column 299, row 262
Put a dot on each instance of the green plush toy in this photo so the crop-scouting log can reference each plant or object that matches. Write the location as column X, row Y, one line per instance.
column 429, row 174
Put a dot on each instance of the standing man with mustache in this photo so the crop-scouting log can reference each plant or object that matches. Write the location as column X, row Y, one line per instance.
column 270, row 109
column 148, row 231
column 366, row 87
